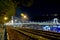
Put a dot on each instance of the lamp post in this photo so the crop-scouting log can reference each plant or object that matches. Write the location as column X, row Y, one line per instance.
column 4, row 26
column 24, row 16
column 5, row 19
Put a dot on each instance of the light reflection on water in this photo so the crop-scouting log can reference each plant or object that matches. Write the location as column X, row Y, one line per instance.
column 52, row 28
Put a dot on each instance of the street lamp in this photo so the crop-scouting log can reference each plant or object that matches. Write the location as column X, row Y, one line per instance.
column 24, row 16
column 5, row 18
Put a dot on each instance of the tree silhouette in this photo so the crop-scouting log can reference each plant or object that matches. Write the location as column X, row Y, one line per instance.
column 7, row 8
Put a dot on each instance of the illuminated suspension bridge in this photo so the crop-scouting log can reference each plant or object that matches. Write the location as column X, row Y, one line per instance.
column 17, row 22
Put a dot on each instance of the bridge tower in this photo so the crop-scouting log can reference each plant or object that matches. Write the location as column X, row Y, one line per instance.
column 55, row 20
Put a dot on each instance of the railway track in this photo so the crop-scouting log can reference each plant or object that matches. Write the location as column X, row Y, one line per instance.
column 17, row 35
column 47, row 32
column 44, row 34
column 33, row 36
column 30, row 34
column 30, row 38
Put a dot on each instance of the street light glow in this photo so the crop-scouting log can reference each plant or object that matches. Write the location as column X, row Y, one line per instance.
column 22, row 14
column 25, row 16
column 5, row 18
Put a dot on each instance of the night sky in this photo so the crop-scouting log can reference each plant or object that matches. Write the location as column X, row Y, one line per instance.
column 41, row 10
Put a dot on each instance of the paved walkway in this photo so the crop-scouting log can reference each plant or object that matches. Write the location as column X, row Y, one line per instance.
column 2, row 34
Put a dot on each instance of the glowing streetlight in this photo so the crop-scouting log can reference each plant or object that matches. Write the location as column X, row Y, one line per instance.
column 5, row 18
column 24, row 16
